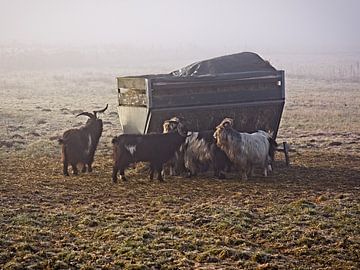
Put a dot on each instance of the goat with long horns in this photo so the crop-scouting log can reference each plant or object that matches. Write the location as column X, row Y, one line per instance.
column 79, row 145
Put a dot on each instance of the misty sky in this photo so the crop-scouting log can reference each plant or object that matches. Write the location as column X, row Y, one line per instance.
column 272, row 25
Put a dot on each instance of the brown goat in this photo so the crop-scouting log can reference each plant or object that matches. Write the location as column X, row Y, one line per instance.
column 79, row 145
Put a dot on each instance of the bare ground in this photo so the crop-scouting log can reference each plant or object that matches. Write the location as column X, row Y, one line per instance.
column 302, row 217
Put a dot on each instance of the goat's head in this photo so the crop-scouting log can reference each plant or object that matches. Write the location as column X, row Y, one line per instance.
column 182, row 129
column 171, row 125
column 227, row 122
column 221, row 131
column 93, row 120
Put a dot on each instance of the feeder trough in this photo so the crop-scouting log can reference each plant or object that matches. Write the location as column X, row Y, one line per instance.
column 242, row 86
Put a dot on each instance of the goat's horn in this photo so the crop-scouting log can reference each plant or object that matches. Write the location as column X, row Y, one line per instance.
column 174, row 119
column 101, row 111
column 227, row 121
column 87, row 114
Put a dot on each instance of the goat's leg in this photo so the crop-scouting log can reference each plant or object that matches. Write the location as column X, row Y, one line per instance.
column 159, row 169
column 219, row 170
column 179, row 166
column 75, row 169
column 83, row 170
column 65, row 161
column 122, row 175
column 244, row 175
column 163, row 169
column 65, row 168
column 228, row 168
column 219, row 174
column 252, row 171
column 151, row 171
column 266, row 170
column 114, row 173
column 172, row 170
column 269, row 163
column 191, row 173
column 192, row 169
column 89, row 167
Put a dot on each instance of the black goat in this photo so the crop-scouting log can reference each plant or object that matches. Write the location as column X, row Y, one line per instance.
column 154, row 148
column 79, row 145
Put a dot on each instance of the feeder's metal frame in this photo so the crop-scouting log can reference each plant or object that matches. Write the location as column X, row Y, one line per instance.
column 211, row 93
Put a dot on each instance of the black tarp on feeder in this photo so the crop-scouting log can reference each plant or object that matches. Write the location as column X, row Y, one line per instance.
column 234, row 63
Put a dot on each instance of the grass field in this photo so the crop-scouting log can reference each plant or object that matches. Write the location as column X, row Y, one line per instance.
column 302, row 217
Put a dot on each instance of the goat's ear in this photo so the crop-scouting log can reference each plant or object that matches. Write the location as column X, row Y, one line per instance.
column 214, row 134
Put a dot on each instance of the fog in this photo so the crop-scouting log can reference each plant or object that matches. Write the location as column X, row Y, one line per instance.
column 172, row 30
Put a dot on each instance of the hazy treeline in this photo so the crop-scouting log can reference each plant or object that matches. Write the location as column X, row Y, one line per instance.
column 339, row 66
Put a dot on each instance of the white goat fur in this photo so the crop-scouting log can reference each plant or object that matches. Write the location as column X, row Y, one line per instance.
column 245, row 150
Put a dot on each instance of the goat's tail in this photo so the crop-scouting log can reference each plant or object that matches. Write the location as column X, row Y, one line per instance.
column 61, row 141
column 114, row 140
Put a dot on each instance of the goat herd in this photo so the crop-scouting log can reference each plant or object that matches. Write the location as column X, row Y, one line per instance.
column 178, row 150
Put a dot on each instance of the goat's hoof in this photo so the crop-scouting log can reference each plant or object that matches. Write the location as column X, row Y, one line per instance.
column 221, row 176
column 114, row 181
column 66, row 174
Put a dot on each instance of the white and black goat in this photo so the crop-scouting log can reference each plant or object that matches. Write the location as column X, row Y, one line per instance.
column 245, row 150
column 79, row 145
column 198, row 153
column 154, row 148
